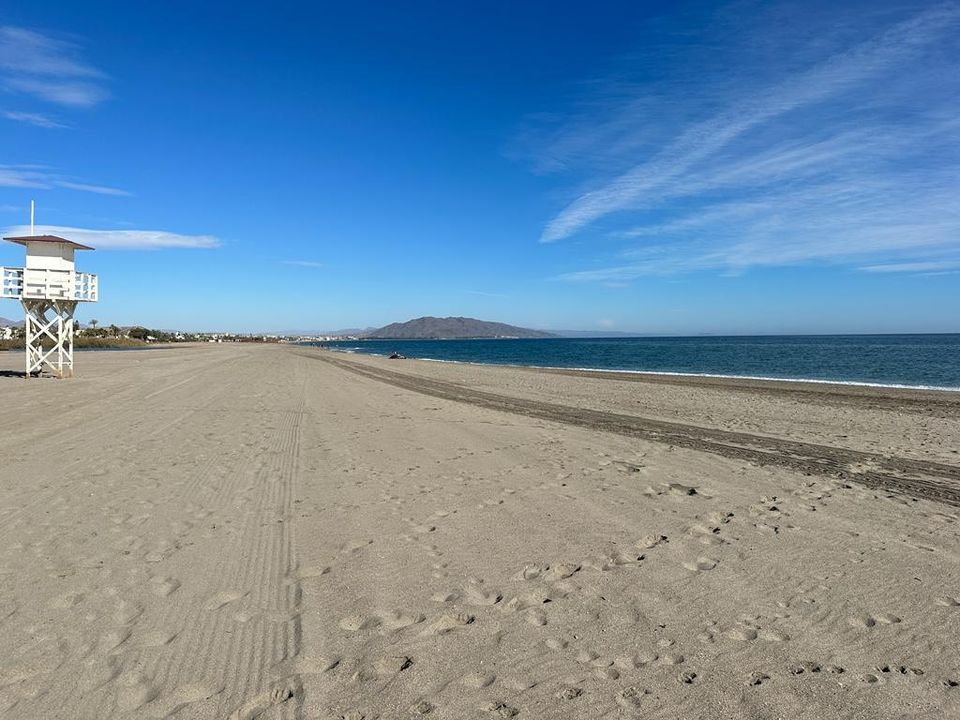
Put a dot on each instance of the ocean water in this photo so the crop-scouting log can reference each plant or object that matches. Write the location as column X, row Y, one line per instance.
column 910, row 360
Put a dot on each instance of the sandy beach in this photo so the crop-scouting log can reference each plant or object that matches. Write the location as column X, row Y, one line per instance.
column 255, row 531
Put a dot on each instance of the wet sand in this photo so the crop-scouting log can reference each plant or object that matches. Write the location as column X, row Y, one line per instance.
column 284, row 532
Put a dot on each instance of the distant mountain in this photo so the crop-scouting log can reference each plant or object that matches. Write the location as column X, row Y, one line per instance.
column 427, row 328
column 4, row 322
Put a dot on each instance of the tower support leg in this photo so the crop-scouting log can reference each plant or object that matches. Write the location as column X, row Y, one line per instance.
column 49, row 336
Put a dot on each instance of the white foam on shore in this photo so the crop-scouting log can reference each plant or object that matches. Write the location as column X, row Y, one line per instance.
column 853, row 383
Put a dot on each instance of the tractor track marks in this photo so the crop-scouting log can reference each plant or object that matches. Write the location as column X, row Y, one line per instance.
column 935, row 481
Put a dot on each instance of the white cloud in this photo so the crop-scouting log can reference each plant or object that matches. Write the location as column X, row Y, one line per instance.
column 703, row 140
column 304, row 263
column 31, row 118
column 86, row 187
column 43, row 178
column 842, row 151
column 934, row 266
column 48, row 68
column 485, row 294
column 66, row 92
column 28, row 51
column 121, row 239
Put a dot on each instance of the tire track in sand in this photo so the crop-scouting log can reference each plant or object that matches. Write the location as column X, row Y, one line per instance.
column 928, row 480
column 246, row 635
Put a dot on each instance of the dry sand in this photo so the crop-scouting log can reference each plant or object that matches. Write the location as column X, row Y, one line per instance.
column 282, row 532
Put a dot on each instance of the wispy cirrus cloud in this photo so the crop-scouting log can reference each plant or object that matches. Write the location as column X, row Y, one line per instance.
column 836, row 151
column 48, row 68
column 481, row 293
column 935, row 266
column 32, row 118
column 41, row 177
column 304, row 263
column 121, row 239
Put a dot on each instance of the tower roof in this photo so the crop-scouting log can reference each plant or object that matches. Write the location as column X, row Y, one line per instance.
column 48, row 239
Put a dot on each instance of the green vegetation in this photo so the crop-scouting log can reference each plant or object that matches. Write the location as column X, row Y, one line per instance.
column 112, row 336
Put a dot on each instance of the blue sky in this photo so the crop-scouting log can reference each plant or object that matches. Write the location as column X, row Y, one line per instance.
column 748, row 167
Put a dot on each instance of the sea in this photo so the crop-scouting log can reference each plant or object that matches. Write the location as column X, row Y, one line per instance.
column 919, row 361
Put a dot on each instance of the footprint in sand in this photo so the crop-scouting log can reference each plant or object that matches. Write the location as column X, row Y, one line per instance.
column 743, row 634
column 535, row 616
column 805, row 667
column 422, row 707
column 448, row 622
column 561, row 571
column 651, row 541
column 569, row 693
column 392, row 665
column 477, row 680
column 501, row 709
column 631, row 698
column 135, row 691
column 869, row 621
column 259, row 705
column 903, row 670
column 701, row 564
column 632, row 662
column 473, row 595
column 757, row 677
column 398, row 620
column 556, row 643
column 946, row 601
column 527, row 600
column 585, row 657
column 626, row 558
column 317, row 665
column 307, row 573
column 670, row 659
column 355, row 623
column 164, row 586
column 187, row 695
column 532, row 572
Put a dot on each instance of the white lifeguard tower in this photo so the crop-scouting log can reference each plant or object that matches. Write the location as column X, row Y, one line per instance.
column 49, row 288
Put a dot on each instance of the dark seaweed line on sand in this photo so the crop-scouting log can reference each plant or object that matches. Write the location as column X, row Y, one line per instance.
column 916, row 478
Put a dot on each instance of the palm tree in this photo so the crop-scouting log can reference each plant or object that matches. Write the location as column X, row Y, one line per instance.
column 93, row 324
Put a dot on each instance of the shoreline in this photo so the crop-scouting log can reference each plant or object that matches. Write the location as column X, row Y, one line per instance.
column 758, row 381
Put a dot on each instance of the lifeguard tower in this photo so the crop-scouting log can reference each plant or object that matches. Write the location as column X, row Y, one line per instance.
column 49, row 288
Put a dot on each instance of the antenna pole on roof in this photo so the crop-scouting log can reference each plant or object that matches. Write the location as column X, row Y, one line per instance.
column 31, row 218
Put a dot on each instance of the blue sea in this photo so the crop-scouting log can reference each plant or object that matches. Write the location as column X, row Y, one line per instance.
column 931, row 361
